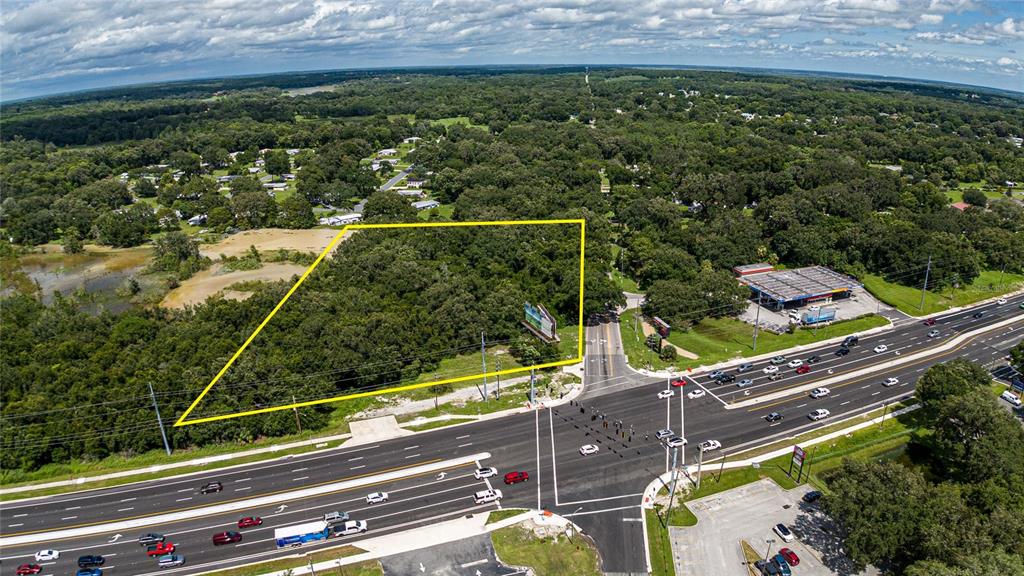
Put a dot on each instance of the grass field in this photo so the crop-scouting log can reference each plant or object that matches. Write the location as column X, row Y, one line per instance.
column 463, row 120
column 658, row 543
column 957, row 194
column 546, row 556
column 444, row 210
column 625, row 283
column 988, row 284
column 368, row 568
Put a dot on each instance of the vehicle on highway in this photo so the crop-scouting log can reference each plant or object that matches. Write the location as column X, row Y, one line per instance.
column 676, row 442
column 933, row 333
column 842, row 351
column 775, row 376
column 47, row 555
column 804, row 369
column 795, row 363
column 226, row 538
column 746, row 382
column 783, row 532
column 1011, row 398
column 678, row 383
column 481, row 473
column 709, row 445
column 25, row 569
column 299, row 534
column 819, row 414
column 335, row 517
column 774, row 417
column 820, row 392
column 778, row 360
column 977, row 314
column 89, row 572
column 516, row 477
column 716, row 375
column 1001, row 301
column 727, row 379
column 211, row 488
column 745, row 367
column 151, row 538
column 770, row 369
column 891, row 382
column 929, row 322
column 170, row 561
column 159, row 549
column 377, row 498
column 813, row 359
column 1021, row 306
column 588, row 449
column 880, row 348
column 791, row 558
column 90, row 560
column 780, row 561
column 663, row 433
column 697, row 393
column 812, row 496
column 250, row 521
column 666, row 394
column 485, row 496
column 851, row 340
column 358, row 526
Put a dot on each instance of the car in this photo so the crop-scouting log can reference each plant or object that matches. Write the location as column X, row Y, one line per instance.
column 170, row 561
column 588, row 449
column 159, row 549
column 250, row 521
column 804, row 369
column 485, row 496
column 795, row 363
column 1001, row 301
column 516, row 477
column 28, row 569
column 678, row 383
column 767, row 568
column 977, row 314
column 335, row 517
column 676, row 442
column 211, row 488
column 698, row 393
column 813, row 359
column 880, row 348
column 226, row 538
column 929, row 322
column 778, row 360
column 746, row 382
column 151, row 538
column 745, row 367
column 666, row 394
column 1021, row 306
column 812, row 497
column 47, row 555
column 358, row 526
column 820, row 392
column 891, row 382
column 783, row 532
column 933, row 333
column 90, row 560
column 663, row 433
column 819, row 414
column 773, row 417
column 770, row 369
column 784, row 569
column 481, row 473
column 376, row 497
column 709, row 445
column 775, row 376
column 842, row 351
column 715, row 375
column 727, row 379
column 851, row 340
column 89, row 572
column 791, row 558
column 1011, row 398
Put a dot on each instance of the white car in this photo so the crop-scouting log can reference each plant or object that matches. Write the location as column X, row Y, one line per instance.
column 46, row 555
column 1001, row 301
column 890, row 382
column 350, row 527
column 676, row 442
column 377, row 498
column 588, row 449
column 770, row 369
column 1011, row 398
column 819, row 414
column 820, row 392
column 785, row 533
column 663, row 433
column 666, row 394
column 482, row 473
column 698, row 393
column 795, row 363
column 709, row 445
column 880, row 348
column 485, row 496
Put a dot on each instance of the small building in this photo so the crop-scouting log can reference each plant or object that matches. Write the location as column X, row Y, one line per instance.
column 275, row 185
column 414, row 183
column 254, row 170
column 758, row 268
column 387, row 152
column 410, row 193
column 288, row 176
column 411, row 140
column 781, row 289
column 292, row 151
column 197, row 220
column 224, row 179
column 961, row 206
column 426, row 204
column 341, row 219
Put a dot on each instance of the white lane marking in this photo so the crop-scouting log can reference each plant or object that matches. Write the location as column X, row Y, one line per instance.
column 464, row 445
column 19, row 515
column 245, row 479
column 844, row 403
column 356, row 458
column 802, row 405
column 412, row 456
column 300, row 478
column 183, row 499
column 300, row 469
column 14, row 525
column 474, row 563
column 867, row 386
column 554, row 468
column 411, row 447
column 126, row 509
column 358, row 467
column 632, row 519
column 184, row 490
column 74, row 508
column 876, row 393
column 601, row 511
column 69, row 518
column 242, row 489
column 601, row 499
column 128, row 500
column 462, row 437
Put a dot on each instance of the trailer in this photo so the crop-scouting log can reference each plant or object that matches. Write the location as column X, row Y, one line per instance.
column 818, row 315
column 301, row 533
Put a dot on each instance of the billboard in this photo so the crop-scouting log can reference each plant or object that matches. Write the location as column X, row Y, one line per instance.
column 540, row 321
column 798, row 455
column 661, row 326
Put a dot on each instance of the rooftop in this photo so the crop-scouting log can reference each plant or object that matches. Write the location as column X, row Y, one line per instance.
column 799, row 283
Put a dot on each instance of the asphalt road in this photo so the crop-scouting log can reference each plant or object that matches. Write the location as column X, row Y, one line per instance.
column 600, row 492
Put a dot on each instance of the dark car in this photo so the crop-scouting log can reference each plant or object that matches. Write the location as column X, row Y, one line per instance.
column 90, row 560
column 211, row 488
column 767, row 568
column 780, row 561
column 151, row 538
column 812, row 496
column 851, row 340
column 250, row 521
column 978, row 314
column 516, row 477
column 726, row 378
column 803, row 369
column 226, row 538
column 773, row 417
column 25, row 569
column 842, row 351
column 814, row 359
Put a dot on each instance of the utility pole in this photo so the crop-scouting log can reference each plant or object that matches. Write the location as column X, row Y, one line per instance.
column 498, row 377
column 721, row 468
column 682, row 428
column 757, row 319
column 885, row 410
column 668, row 418
column 672, row 490
column 159, row 421
column 1001, row 272
column 700, row 462
column 533, row 394
column 483, row 359
column 298, row 422
column 925, row 287
column 311, row 570
column 769, row 542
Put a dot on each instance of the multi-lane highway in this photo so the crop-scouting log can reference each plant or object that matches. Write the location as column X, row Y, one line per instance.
column 619, row 412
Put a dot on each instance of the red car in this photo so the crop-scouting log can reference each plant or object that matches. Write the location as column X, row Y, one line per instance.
column 515, row 477
column 159, row 549
column 803, row 369
column 226, row 538
column 678, row 383
column 29, row 569
column 929, row 322
column 250, row 521
column 791, row 558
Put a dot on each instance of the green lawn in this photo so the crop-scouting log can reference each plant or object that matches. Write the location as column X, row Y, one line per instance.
column 988, row 284
column 625, row 283
column 444, row 210
column 638, row 354
column 499, row 515
column 463, row 120
column 549, row 556
column 368, row 568
column 658, row 543
column 957, row 194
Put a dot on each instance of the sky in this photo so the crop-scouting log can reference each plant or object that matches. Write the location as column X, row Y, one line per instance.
column 54, row 46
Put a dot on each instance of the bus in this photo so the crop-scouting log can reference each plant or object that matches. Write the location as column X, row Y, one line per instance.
column 301, row 533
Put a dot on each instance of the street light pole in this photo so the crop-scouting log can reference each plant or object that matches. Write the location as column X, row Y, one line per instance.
column 767, row 552
column 757, row 319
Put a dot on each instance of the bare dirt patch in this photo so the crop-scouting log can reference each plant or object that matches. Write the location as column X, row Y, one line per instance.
column 269, row 239
column 209, row 282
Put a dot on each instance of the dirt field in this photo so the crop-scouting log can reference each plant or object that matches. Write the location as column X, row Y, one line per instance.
column 208, row 282
column 269, row 239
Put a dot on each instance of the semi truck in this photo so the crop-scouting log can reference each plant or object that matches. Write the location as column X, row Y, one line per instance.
column 301, row 533
column 817, row 315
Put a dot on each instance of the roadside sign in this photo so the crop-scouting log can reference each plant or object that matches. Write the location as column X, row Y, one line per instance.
column 798, row 456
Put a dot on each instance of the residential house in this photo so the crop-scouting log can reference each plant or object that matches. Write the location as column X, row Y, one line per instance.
column 426, row 204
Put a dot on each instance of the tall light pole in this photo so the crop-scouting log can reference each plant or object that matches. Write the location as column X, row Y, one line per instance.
column 757, row 319
column 767, row 552
column 925, row 286
column 682, row 428
column 160, row 421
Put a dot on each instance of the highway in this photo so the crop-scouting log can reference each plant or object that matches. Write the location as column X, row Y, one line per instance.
column 600, row 492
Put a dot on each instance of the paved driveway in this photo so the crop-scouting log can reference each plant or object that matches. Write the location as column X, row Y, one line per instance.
column 468, row 557
column 712, row 547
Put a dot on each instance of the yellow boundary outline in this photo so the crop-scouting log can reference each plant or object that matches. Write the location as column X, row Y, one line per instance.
column 182, row 421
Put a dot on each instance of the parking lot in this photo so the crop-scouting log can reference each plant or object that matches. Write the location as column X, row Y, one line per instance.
column 712, row 547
